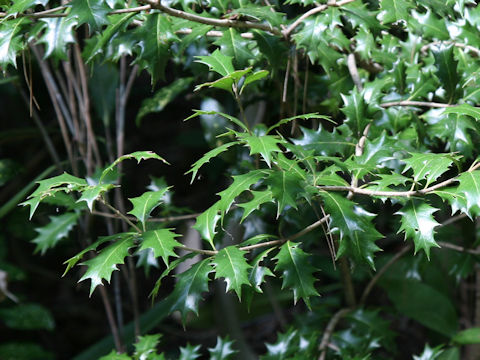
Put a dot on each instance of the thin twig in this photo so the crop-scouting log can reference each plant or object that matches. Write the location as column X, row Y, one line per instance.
column 156, row 4
column 454, row 247
column 382, row 271
column 327, row 334
column 352, row 68
column 111, row 319
column 160, row 219
column 119, row 214
column 456, row 44
column 51, row 13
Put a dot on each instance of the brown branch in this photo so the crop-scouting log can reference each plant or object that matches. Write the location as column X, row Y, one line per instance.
column 156, row 4
column 416, row 103
column 353, row 70
column 160, row 219
column 458, row 248
column 327, row 334
column 456, row 44
column 122, row 216
column 51, row 13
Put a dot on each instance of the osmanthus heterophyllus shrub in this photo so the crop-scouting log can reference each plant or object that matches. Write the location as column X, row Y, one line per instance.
column 376, row 144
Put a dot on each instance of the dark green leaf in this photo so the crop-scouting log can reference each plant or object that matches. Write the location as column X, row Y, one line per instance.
column 447, row 70
column 234, row 46
column 428, row 166
column 259, row 198
column 189, row 288
column 326, row 143
column 468, row 336
column 91, row 12
column 419, row 224
column 285, row 187
column 162, row 242
column 395, row 10
column 207, row 222
column 27, row 317
column 230, row 264
column 11, row 41
column 264, row 145
column 297, row 271
column 58, row 34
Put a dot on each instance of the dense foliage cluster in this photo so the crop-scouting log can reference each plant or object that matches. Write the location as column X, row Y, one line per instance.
column 346, row 136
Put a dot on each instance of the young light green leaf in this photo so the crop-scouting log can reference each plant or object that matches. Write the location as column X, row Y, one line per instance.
column 418, row 223
column 297, row 272
column 144, row 204
column 189, row 288
column 468, row 336
column 222, row 350
column 230, row 264
column 253, row 77
column 113, row 355
column 162, row 242
column 218, row 62
column 137, row 155
column 259, row 198
column 146, row 346
column 92, row 193
column 58, row 228
column 240, row 184
column 226, row 82
column 207, row 222
column 91, row 12
column 102, row 265
column 264, row 145
column 207, row 157
column 428, row 166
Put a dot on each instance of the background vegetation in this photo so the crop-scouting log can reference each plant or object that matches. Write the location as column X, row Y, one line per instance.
column 320, row 201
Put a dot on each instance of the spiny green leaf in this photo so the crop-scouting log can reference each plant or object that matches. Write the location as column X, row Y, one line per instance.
column 258, row 272
column 260, row 13
column 92, row 193
column 162, row 242
column 91, row 12
column 428, row 166
column 297, row 271
column 206, row 158
column 418, row 223
column 469, row 187
column 207, row 222
column 259, row 198
column 19, row 6
column 57, row 36
column 387, row 180
column 395, row 10
column 102, row 265
column 155, row 36
column 58, row 228
column 113, row 355
column 118, row 22
column 137, row 155
column 11, row 41
column 264, row 145
column 431, row 25
column 464, row 109
column 189, row 288
column 357, row 112
column 146, row 346
column 286, row 187
column 143, row 205
column 357, row 233
column 47, row 187
column 101, row 240
column 227, row 81
column 240, row 184
column 230, row 264
column 190, row 352
column 162, row 98
column 253, row 78
column 327, row 143
column 447, row 70
column 222, row 350
column 218, row 62
column 235, row 46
